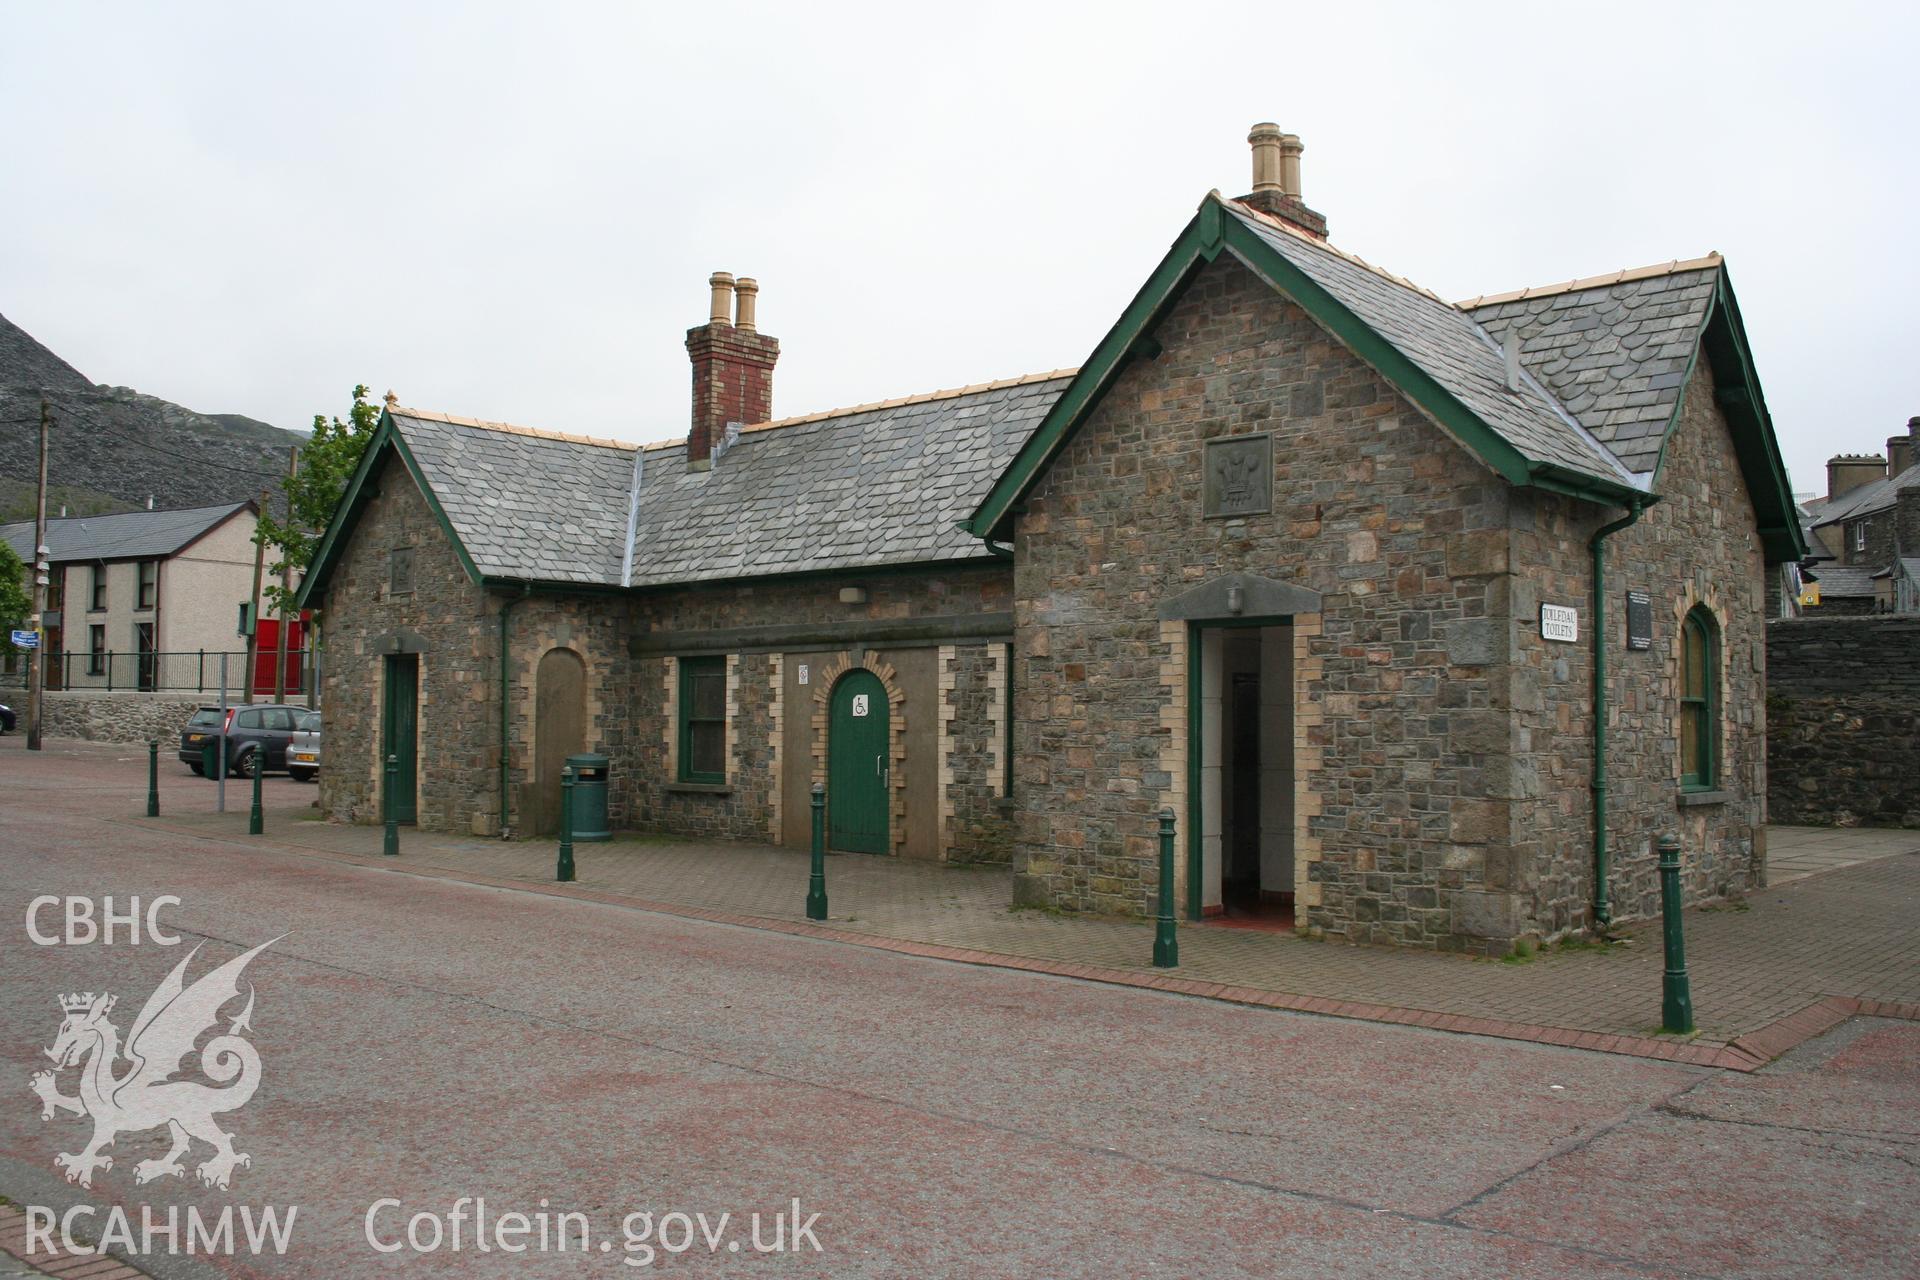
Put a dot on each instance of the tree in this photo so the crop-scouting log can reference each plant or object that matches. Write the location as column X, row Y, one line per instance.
column 16, row 601
column 327, row 463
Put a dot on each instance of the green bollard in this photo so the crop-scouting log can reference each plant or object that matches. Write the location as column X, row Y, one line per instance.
column 1166, row 945
column 153, row 777
column 1676, row 995
column 564, row 872
column 390, row 844
column 817, row 877
column 256, row 819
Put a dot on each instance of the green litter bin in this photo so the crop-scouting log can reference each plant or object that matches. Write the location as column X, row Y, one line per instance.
column 590, row 797
column 210, row 758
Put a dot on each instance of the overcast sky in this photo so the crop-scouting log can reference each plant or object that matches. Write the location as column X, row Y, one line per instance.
column 510, row 211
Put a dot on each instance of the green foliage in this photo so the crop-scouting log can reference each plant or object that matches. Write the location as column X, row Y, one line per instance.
column 327, row 463
column 16, row 601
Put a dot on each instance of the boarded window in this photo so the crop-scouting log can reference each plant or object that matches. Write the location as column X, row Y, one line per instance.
column 400, row 571
column 703, row 720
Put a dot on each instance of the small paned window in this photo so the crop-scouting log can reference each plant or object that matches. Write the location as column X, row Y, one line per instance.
column 96, row 650
column 1860, row 536
column 1699, row 700
column 149, row 584
column 99, row 602
column 56, row 586
column 703, row 720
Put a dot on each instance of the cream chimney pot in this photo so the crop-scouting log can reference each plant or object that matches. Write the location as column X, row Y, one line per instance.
column 721, row 309
column 746, row 291
column 1290, row 149
column 1265, row 139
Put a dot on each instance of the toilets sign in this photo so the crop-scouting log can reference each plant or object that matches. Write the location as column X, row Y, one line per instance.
column 1559, row 622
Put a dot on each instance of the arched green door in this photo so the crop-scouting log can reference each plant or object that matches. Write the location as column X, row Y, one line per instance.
column 857, row 765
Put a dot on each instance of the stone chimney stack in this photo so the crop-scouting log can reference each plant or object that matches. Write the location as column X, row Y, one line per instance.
column 732, row 367
column 1902, row 450
column 1848, row 471
column 1276, row 179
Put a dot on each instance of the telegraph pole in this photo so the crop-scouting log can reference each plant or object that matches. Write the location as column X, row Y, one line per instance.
column 253, row 632
column 37, row 657
column 286, row 586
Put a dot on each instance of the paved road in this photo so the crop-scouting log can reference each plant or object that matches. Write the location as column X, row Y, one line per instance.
column 427, row 1040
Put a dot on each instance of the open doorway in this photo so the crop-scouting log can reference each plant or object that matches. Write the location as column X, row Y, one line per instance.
column 1247, row 776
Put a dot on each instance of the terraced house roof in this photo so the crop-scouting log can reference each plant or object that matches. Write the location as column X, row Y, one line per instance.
column 129, row 535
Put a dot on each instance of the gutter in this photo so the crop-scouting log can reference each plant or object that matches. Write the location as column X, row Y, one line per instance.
column 1602, row 909
column 506, row 608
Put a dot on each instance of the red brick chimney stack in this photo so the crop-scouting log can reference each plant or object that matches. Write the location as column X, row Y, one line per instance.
column 732, row 367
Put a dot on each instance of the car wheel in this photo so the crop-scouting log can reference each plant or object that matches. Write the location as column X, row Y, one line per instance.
column 300, row 775
column 243, row 764
column 199, row 770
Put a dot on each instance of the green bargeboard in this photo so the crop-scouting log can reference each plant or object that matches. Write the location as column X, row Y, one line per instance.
column 858, row 765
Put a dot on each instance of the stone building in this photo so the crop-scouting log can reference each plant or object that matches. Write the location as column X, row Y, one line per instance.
column 1333, row 570
column 1866, row 531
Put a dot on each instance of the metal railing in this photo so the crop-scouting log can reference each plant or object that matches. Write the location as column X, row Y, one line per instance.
column 198, row 671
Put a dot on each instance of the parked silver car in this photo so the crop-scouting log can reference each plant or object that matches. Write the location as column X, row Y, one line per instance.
column 303, row 748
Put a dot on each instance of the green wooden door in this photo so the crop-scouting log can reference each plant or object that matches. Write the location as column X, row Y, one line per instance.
column 399, row 735
column 857, row 765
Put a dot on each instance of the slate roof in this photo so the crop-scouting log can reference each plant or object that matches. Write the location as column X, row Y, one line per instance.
column 1844, row 579
column 883, row 486
column 131, row 535
column 525, row 504
column 1614, row 352
column 1450, row 347
column 1868, row 498
column 874, row 486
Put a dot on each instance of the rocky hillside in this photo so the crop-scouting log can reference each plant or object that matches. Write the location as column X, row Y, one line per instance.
column 113, row 448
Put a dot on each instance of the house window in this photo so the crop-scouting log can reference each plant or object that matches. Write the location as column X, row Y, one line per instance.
column 1699, row 699
column 1860, row 536
column 96, row 650
column 703, row 719
column 56, row 587
column 149, row 584
column 99, row 602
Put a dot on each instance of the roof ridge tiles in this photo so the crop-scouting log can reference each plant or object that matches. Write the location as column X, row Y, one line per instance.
column 1318, row 242
column 896, row 402
column 454, row 419
column 1604, row 280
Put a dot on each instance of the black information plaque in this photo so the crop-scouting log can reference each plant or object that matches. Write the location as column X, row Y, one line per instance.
column 1639, row 620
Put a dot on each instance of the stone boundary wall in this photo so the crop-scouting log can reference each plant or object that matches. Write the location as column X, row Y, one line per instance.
column 1843, row 721
column 115, row 717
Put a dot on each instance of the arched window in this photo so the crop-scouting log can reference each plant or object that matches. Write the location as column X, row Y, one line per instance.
column 1699, row 699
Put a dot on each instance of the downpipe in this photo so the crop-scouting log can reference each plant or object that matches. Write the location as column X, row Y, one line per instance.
column 506, row 683
column 1602, row 907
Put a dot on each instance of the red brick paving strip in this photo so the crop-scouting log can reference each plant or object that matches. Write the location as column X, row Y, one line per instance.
column 67, row 1266
column 1744, row 1053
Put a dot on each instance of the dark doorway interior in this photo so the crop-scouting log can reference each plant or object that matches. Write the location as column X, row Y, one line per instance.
column 1256, row 889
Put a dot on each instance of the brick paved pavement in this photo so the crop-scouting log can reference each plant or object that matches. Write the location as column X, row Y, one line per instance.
column 17, row 1260
column 1845, row 932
